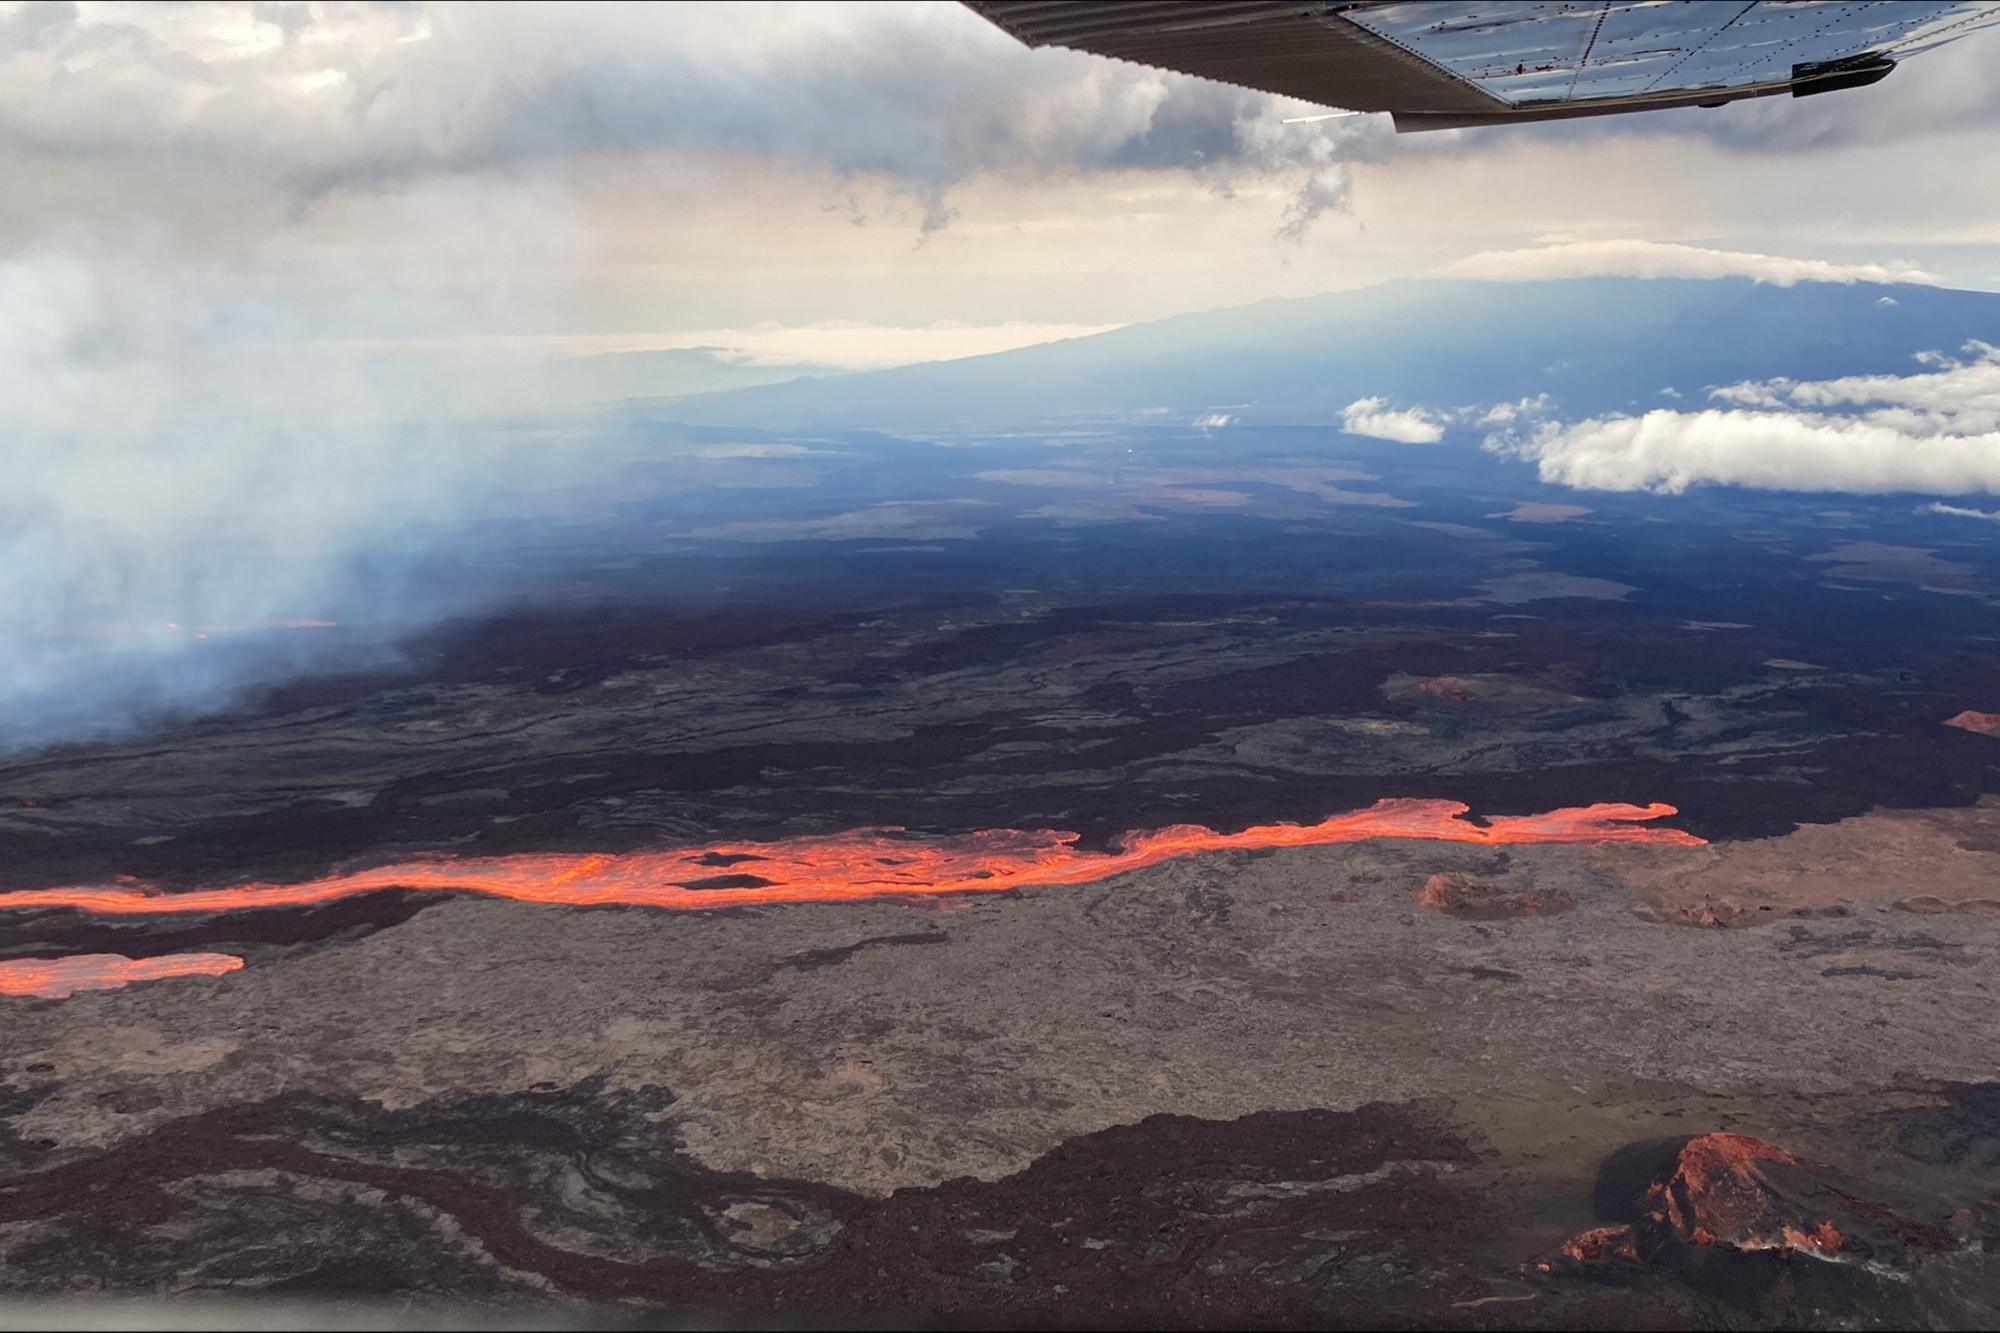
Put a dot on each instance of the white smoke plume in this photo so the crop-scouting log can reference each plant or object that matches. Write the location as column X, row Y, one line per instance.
column 185, row 506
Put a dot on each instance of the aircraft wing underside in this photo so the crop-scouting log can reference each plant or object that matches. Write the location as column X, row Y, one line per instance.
column 1446, row 64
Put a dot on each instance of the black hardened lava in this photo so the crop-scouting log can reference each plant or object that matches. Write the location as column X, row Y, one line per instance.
column 1277, row 1219
column 64, row 931
column 1292, row 1219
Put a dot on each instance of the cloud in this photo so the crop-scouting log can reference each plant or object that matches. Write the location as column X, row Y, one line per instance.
column 827, row 345
column 925, row 91
column 312, row 98
column 1670, row 452
column 1373, row 417
column 1961, row 398
column 1660, row 259
column 1501, row 414
column 1936, row 433
column 1266, row 142
column 1958, row 511
column 1953, row 87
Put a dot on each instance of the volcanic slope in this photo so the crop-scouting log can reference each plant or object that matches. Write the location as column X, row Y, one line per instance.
column 442, row 1094
column 1592, row 344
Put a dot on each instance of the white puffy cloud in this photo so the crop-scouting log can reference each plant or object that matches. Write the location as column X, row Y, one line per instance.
column 1375, row 418
column 1501, row 414
column 1935, row 433
column 1626, row 258
column 1669, row 452
column 1962, row 397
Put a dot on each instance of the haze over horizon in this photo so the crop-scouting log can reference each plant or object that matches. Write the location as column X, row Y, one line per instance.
column 293, row 297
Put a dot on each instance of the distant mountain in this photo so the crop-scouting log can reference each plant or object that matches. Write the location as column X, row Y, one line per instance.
column 1594, row 344
column 615, row 376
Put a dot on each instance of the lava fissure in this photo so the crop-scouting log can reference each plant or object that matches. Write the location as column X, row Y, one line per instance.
column 869, row 863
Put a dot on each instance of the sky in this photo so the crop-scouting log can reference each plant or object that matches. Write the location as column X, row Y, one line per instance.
column 261, row 263
column 810, row 183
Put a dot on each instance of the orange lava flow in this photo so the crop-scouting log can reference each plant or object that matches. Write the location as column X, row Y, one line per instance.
column 59, row 978
column 869, row 863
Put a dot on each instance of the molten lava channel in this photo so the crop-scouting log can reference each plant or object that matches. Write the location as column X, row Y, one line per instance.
column 868, row 863
column 59, row 978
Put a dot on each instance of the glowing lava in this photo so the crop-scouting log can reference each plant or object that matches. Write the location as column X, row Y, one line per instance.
column 869, row 863
column 59, row 978
column 1985, row 724
column 1733, row 1192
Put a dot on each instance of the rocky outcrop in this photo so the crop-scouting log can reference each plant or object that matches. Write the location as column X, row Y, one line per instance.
column 1721, row 913
column 1924, row 861
column 1925, row 904
column 1470, row 899
column 1668, row 1200
column 1482, row 687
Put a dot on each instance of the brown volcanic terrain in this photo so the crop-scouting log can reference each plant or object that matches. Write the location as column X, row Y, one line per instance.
column 1485, row 689
column 876, row 1046
column 1470, row 899
column 329, row 1098
column 1925, row 861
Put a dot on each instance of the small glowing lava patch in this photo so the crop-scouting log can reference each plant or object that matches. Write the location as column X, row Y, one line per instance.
column 1985, row 724
column 59, row 978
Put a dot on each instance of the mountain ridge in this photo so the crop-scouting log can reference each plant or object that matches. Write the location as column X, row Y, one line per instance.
column 1594, row 344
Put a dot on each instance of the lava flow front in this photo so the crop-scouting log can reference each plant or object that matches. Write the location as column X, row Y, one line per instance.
column 870, row 863
column 59, row 978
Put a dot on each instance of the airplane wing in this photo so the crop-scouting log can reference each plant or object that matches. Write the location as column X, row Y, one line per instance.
column 1448, row 64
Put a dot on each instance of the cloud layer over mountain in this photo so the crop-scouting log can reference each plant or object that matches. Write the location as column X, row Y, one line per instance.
column 1632, row 258
column 1932, row 433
